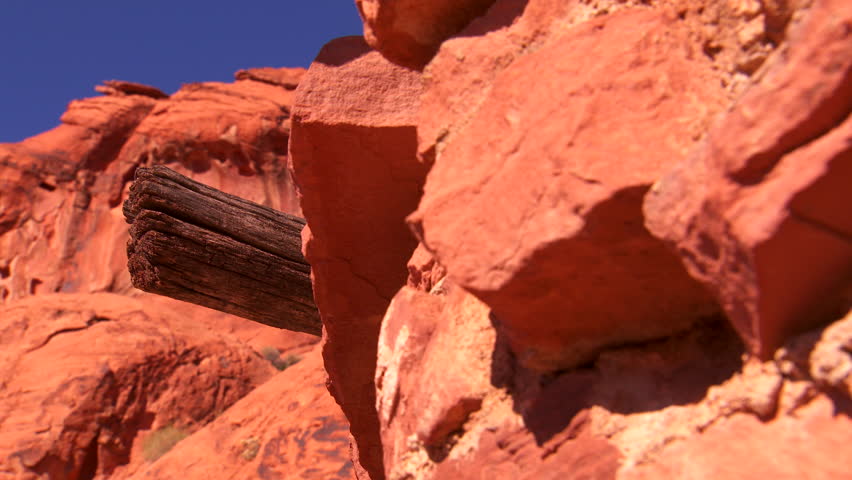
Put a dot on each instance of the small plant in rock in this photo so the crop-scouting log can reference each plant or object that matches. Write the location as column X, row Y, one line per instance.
column 270, row 353
column 251, row 446
column 274, row 356
column 288, row 361
column 157, row 443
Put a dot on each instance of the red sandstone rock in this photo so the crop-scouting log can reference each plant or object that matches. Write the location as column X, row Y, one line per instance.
column 353, row 157
column 259, row 337
column 513, row 453
column 535, row 204
column 121, row 88
column 288, row 428
column 757, row 212
column 409, row 32
column 49, row 181
column 424, row 272
column 436, row 344
column 635, row 412
column 810, row 444
column 84, row 377
column 230, row 136
column 288, row 78
column 459, row 78
column 61, row 227
column 452, row 401
column 679, row 408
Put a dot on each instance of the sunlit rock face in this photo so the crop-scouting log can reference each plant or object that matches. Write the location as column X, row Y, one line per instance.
column 86, row 377
column 91, row 369
column 631, row 239
column 61, row 226
column 353, row 155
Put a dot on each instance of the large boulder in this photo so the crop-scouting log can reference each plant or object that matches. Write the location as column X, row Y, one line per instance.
column 547, row 124
column 435, row 343
column 534, row 203
column 409, row 32
column 353, row 158
column 757, row 213
column 744, row 448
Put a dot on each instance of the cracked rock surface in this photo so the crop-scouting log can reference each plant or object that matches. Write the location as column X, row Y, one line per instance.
column 633, row 238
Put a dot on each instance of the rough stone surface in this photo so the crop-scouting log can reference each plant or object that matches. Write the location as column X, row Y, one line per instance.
column 409, row 32
column 353, row 157
column 557, row 319
column 85, row 377
column 286, row 77
column 755, row 213
column 429, row 341
column 506, row 452
column 54, row 236
column 424, row 272
column 742, row 447
column 61, row 228
column 543, row 331
column 545, row 186
column 645, row 411
column 288, row 428
column 232, row 136
column 121, row 87
column 461, row 75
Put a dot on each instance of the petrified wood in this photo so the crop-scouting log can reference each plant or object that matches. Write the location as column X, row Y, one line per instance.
column 197, row 244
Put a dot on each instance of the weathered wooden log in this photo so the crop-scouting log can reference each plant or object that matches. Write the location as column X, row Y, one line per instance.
column 197, row 244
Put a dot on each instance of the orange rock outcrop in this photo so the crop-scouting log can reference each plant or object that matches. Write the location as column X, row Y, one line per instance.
column 288, row 428
column 86, row 377
column 633, row 243
column 548, row 240
column 92, row 369
column 354, row 153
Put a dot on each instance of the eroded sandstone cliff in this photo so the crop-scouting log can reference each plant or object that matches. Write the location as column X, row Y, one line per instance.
column 548, row 239
column 628, row 252
column 91, row 369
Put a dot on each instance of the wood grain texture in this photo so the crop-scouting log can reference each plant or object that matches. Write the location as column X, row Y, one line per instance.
column 197, row 244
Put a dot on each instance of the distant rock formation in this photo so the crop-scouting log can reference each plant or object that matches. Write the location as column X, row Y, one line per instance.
column 60, row 225
column 61, row 228
column 91, row 369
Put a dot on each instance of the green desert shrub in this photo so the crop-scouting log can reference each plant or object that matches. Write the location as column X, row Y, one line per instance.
column 157, row 443
column 274, row 356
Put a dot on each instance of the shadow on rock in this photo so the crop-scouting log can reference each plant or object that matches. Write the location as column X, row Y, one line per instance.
column 631, row 379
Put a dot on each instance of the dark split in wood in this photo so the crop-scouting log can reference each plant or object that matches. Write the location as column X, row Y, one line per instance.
column 197, row 244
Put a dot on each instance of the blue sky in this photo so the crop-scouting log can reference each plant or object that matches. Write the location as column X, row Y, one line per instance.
column 53, row 51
